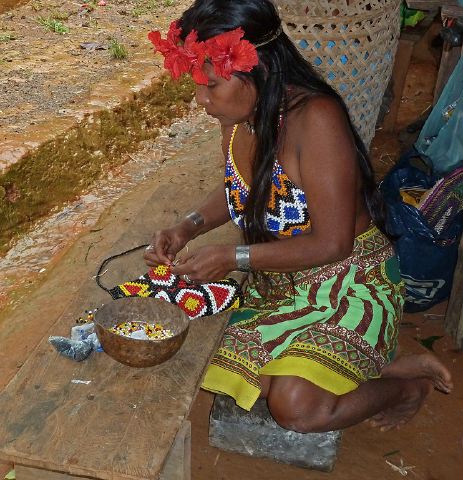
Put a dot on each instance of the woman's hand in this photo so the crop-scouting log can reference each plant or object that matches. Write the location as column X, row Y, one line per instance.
column 207, row 264
column 166, row 243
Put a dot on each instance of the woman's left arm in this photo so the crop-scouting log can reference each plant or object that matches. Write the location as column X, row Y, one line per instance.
column 330, row 179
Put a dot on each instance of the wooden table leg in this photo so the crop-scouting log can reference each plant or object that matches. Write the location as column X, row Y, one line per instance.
column 178, row 462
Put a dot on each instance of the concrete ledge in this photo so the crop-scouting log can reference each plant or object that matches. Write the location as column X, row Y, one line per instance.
column 256, row 434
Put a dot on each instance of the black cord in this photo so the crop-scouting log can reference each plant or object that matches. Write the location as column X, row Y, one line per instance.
column 109, row 259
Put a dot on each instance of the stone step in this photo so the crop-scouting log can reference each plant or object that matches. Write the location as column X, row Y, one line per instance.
column 256, row 434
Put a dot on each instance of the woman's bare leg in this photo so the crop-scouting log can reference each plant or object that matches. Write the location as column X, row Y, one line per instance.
column 299, row 405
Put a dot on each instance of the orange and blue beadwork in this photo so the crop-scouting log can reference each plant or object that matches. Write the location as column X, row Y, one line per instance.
column 287, row 212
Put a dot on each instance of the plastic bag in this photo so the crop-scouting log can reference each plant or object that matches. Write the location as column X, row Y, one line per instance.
column 441, row 138
column 427, row 256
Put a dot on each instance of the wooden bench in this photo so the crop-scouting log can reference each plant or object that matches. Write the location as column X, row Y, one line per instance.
column 125, row 423
column 99, row 419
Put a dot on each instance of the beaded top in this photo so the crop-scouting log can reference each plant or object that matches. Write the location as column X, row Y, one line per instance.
column 287, row 212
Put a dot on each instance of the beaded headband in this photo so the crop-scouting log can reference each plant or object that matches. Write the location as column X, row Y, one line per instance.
column 227, row 52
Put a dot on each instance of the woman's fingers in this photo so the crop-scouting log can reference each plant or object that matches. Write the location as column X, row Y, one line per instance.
column 156, row 253
column 184, row 266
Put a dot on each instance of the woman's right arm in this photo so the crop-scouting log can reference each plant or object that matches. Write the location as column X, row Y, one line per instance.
column 166, row 243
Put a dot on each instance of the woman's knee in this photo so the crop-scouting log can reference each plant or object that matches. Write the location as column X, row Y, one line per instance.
column 298, row 405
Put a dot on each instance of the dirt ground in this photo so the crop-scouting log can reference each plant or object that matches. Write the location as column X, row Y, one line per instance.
column 431, row 446
column 36, row 81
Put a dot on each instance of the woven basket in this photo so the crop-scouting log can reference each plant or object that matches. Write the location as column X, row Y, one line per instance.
column 352, row 44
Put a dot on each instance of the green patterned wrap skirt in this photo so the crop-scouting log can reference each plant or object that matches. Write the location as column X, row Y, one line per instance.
column 336, row 326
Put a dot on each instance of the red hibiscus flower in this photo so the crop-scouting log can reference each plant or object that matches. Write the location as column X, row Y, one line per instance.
column 174, row 59
column 228, row 53
column 177, row 62
column 180, row 59
column 174, row 32
column 197, row 54
column 160, row 45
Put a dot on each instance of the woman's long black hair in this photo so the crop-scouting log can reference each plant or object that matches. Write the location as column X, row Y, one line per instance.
column 280, row 66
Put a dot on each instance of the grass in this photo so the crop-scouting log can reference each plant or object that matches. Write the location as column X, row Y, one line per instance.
column 59, row 15
column 146, row 6
column 53, row 25
column 61, row 169
column 6, row 37
column 117, row 50
column 37, row 5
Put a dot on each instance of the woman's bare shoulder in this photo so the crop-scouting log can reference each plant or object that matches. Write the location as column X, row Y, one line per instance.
column 322, row 109
column 322, row 119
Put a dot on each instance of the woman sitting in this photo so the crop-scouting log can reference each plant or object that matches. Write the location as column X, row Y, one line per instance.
column 324, row 299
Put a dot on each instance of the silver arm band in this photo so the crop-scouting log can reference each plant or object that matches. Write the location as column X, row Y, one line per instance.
column 243, row 258
column 196, row 218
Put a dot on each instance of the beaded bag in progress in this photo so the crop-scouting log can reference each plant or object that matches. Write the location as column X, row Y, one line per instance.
column 196, row 300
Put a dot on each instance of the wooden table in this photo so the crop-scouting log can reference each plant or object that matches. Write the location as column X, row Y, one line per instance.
column 100, row 419
column 103, row 420
column 116, row 422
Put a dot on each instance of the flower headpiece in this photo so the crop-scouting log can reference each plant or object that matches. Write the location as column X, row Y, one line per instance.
column 227, row 52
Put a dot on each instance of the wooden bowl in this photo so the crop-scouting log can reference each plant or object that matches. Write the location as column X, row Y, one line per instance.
column 134, row 352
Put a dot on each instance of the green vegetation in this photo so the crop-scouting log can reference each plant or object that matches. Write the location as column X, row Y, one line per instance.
column 53, row 25
column 61, row 169
column 117, row 50
column 36, row 5
column 6, row 37
column 59, row 15
column 144, row 6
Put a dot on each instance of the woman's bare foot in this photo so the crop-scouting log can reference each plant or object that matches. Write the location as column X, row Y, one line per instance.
column 423, row 365
column 414, row 394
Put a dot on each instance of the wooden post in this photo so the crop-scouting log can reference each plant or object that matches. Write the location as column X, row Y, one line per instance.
column 454, row 316
column 450, row 55
column 399, row 73
column 449, row 59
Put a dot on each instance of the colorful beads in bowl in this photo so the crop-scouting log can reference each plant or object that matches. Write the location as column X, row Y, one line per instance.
column 142, row 331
